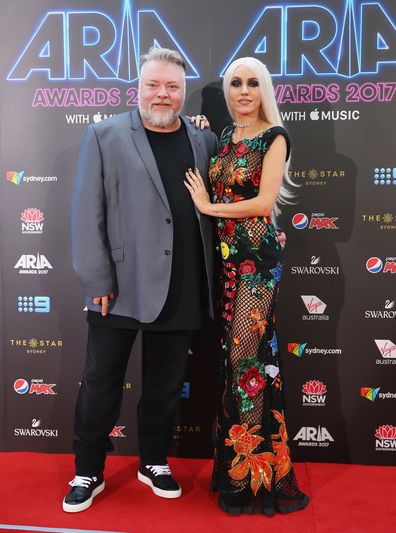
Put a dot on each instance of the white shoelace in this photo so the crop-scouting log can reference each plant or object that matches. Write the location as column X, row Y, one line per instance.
column 159, row 470
column 82, row 481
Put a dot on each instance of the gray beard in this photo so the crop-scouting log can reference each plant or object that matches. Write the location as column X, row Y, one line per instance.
column 159, row 119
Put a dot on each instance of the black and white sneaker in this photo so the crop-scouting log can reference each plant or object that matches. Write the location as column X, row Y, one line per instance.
column 159, row 478
column 83, row 492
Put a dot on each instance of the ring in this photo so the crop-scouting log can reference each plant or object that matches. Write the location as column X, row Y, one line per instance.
column 202, row 117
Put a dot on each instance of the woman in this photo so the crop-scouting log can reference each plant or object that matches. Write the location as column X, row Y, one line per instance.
column 252, row 472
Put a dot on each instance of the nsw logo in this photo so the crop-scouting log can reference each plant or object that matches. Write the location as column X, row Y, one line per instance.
column 314, row 393
column 385, row 438
column 32, row 221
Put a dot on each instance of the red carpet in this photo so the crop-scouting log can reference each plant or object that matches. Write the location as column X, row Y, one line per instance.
column 345, row 499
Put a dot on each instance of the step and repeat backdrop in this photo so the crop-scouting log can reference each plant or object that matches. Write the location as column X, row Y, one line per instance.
column 68, row 64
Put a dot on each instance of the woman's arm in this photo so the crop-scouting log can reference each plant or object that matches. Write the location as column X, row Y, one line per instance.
column 261, row 205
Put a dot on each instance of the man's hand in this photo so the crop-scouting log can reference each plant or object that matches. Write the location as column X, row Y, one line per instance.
column 104, row 301
column 200, row 122
column 281, row 237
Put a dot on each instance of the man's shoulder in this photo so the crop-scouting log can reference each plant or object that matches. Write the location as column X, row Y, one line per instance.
column 117, row 121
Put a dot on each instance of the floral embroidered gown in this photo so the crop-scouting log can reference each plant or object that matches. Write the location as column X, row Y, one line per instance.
column 252, row 472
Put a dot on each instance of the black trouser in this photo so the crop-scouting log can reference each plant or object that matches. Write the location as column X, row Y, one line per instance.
column 99, row 399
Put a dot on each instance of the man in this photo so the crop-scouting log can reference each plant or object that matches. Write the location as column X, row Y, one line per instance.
column 143, row 256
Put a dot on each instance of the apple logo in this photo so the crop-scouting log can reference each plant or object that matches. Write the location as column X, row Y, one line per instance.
column 314, row 115
column 97, row 117
column 315, row 260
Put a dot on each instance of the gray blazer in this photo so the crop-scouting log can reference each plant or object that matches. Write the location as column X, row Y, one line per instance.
column 122, row 234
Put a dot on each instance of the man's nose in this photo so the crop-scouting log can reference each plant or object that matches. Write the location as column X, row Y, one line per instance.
column 162, row 91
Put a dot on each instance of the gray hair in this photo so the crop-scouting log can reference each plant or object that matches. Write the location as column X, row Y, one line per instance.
column 163, row 54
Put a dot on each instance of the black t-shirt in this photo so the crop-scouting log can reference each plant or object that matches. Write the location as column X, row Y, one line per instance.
column 182, row 309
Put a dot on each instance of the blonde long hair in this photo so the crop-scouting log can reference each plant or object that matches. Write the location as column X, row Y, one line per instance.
column 268, row 111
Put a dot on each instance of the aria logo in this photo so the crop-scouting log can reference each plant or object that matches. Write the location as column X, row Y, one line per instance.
column 32, row 221
column 311, row 436
column 387, row 350
column 33, row 264
column 374, row 265
column 117, row 432
column 386, row 313
column 315, row 269
column 314, row 393
column 318, row 221
column 385, row 438
column 315, row 308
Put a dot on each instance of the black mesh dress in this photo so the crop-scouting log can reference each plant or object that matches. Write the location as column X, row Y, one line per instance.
column 252, row 471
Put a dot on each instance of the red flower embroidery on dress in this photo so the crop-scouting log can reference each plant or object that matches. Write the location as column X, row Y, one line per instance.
column 252, row 382
column 281, row 449
column 259, row 464
column 241, row 149
column 259, row 322
column 256, row 177
column 226, row 148
column 247, row 267
column 229, row 228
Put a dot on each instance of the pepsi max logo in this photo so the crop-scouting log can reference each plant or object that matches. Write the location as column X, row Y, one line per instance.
column 300, row 221
column 21, row 386
column 318, row 221
column 375, row 265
